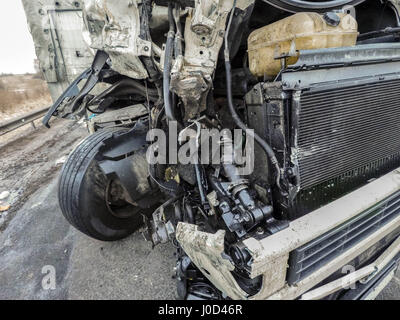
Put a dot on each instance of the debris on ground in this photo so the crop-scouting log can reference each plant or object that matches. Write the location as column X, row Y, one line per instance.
column 61, row 160
column 30, row 161
column 8, row 242
column 4, row 207
column 4, row 195
column 21, row 94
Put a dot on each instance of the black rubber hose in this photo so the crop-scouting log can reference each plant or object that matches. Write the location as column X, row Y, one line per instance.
column 178, row 35
column 216, row 185
column 171, row 17
column 318, row 6
column 169, row 47
column 197, row 168
column 189, row 212
column 178, row 212
column 267, row 148
column 386, row 31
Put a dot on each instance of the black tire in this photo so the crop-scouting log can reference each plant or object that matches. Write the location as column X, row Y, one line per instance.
column 82, row 194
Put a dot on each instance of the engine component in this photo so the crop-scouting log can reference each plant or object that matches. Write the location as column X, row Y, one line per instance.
column 125, row 117
column 238, row 207
column 183, row 3
column 246, row 213
column 167, row 66
column 321, row 132
column 235, row 117
column 192, row 285
column 301, row 31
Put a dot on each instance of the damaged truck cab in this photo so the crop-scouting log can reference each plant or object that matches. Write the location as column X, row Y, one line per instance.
column 260, row 137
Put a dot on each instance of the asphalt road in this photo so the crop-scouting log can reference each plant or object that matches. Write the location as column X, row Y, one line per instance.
column 37, row 236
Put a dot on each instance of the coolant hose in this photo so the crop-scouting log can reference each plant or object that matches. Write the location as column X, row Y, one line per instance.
column 317, row 6
column 169, row 47
column 267, row 148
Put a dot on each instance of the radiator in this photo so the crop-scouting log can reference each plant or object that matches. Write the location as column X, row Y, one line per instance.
column 333, row 121
column 348, row 131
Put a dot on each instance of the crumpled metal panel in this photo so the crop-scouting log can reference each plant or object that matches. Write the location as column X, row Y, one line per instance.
column 206, row 251
column 56, row 28
column 39, row 25
column 114, row 27
column 191, row 76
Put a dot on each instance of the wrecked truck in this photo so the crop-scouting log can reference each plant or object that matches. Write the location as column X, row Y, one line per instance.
column 260, row 138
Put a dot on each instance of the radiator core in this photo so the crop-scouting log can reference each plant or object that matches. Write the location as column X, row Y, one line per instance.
column 348, row 132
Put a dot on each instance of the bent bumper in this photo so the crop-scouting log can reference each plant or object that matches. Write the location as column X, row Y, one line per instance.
column 270, row 256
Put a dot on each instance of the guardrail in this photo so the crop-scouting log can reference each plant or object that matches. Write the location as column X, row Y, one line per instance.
column 22, row 121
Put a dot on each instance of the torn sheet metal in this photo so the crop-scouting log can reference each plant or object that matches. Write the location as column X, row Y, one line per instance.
column 114, row 27
column 206, row 251
column 191, row 77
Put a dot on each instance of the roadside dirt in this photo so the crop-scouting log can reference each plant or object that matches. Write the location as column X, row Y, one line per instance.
column 21, row 94
column 32, row 159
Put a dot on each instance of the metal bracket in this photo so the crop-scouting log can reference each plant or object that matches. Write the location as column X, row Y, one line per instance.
column 73, row 94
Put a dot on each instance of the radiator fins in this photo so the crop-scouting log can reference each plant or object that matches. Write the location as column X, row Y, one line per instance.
column 348, row 132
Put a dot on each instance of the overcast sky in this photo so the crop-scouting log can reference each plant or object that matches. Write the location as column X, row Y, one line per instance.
column 17, row 51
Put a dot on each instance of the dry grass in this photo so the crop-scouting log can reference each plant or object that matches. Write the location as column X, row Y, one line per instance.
column 22, row 93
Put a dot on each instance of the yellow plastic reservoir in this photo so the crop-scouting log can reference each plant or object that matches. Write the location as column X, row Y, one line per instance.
column 301, row 31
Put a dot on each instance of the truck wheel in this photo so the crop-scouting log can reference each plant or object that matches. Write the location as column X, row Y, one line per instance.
column 86, row 195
